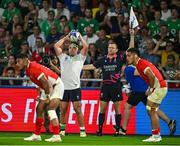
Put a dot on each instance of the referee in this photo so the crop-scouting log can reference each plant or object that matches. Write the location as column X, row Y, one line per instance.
column 71, row 65
column 111, row 65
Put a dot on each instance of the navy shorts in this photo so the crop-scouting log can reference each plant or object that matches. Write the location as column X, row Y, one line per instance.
column 136, row 97
column 72, row 95
column 111, row 92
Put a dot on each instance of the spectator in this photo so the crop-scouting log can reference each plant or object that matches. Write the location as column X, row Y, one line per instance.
column 11, row 62
column 164, row 36
column 90, row 37
column 39, row 51
column 122, row 40
column 83, row 6
column 170, row 70
column 102, row 42
column 73, row 22
column 31, row 19
column 148, row 53
column 27, row 6
column 18, row 38
column 66, row 30
column 9, row 12
column 63, row 22
column 8, row 45
column 92, row 55
column 43, row 13
column 100, row 15
column 87, row 21
column 174, row 22
column 164, row 53
column 142, row 38
column 11, row 73
column 32, row 38
column 61, row 10
column 154, row 26
column 46, row 24
column 25, row 48
column 53, row 37
column 115, row 16
column 165, row 12
column 139, row 4
column 73, row 5
column 11, row 25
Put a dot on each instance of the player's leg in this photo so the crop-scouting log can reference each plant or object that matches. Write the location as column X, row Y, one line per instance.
column 46, row 120
column 103, row 105
column 55, row 95
column 115, row 94
column 153, row 102
column 104, row 100
column 117, row 116
column 53, row 104
column 127, row 113
column 63, row 110
column 171, row 123
column 80, row 117
column 39, row 122
column 75, row 97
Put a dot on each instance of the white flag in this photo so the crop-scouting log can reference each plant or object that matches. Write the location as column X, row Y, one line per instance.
column 133, row 20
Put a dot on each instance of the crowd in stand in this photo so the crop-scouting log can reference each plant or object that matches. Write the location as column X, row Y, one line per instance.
column 33, row 27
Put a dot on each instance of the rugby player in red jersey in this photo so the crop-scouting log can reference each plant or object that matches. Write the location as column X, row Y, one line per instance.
column 53, row 88
column 156, row 92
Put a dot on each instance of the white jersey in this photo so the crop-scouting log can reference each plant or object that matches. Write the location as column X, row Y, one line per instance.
column 71, row 68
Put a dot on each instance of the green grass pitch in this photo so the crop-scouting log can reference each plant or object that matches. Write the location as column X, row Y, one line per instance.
column 16, row 138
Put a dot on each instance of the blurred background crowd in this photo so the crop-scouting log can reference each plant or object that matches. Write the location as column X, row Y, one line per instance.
column 33, row 26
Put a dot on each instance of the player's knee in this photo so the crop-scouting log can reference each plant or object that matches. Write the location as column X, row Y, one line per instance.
column 151, row 109
column 77, row 110
column 127, row 107
column 52, row 114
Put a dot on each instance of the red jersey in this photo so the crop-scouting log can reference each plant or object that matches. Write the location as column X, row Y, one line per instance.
column 143, row 65
column 35, row 71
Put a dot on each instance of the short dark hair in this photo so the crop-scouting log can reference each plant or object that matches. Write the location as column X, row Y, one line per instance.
column 134, row 50
column 22, row 56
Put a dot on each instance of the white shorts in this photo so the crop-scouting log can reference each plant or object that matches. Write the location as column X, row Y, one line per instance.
column 56, row 91
column 157, row 95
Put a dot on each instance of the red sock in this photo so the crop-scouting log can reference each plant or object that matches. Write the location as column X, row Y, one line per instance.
column 156, row 131
column 38, row 125
column 55, row 130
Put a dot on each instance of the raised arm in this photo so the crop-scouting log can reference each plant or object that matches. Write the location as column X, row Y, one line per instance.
column 57, row 45
column 156, row 49
column 84, row 50
column 89, row 67
column 131, row 43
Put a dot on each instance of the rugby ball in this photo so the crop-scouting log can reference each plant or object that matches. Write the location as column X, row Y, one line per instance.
column 74, row 36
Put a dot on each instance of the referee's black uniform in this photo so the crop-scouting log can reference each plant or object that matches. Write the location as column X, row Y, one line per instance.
column 111, row 87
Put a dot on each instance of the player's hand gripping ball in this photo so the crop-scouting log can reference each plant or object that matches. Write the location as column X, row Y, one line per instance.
column 74, row 36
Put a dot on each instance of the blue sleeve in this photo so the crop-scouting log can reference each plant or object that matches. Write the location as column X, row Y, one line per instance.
column 129, row 73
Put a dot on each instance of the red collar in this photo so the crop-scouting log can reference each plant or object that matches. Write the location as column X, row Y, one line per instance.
column 112, row 56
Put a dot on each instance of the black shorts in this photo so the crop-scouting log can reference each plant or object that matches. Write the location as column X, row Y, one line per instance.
column 136, row 97
column 72, row 95
column 111, row 92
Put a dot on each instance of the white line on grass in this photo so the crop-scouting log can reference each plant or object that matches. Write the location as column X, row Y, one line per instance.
column 60, row 144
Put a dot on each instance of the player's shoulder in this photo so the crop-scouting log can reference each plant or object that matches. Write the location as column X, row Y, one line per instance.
column 129, row 69
column 34, row 64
